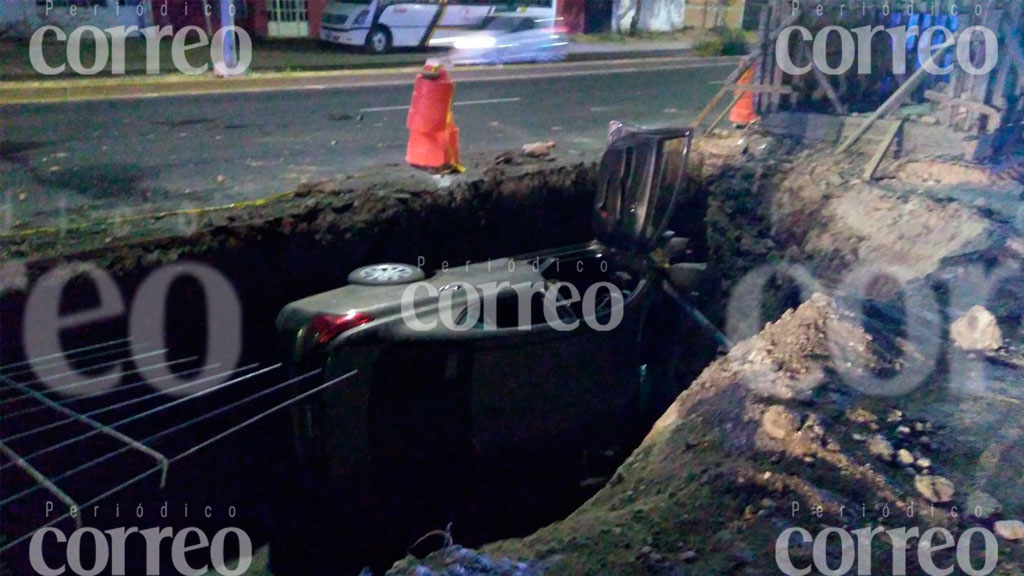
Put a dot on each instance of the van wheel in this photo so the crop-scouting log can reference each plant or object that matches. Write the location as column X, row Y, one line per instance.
column 388, row 274
column 379, row 40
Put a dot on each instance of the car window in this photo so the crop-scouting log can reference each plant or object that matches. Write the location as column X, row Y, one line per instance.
column 510, row 24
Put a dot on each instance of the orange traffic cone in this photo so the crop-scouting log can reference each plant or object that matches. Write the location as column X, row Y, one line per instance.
column 433, row 136
column 743, row 114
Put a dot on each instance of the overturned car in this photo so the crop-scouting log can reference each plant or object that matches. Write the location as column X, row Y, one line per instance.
column 531, row 358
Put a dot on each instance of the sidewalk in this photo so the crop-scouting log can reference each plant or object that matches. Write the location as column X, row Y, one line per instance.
column 626, row 48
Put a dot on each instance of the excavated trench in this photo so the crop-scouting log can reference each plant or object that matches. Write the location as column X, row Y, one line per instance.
column 308, row 243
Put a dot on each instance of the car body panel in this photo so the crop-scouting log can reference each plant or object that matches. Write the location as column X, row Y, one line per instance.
column 506, row 39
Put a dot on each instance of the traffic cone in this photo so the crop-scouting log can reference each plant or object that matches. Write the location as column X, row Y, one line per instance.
column 743, row 114
column 433, row 136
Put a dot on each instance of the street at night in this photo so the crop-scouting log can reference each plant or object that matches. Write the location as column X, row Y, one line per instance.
column 171, row 152
column 511, row 287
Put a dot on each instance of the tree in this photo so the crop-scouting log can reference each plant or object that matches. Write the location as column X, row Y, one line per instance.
column 634, row 26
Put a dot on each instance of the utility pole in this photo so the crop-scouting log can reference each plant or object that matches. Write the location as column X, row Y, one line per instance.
column 634, row 26
column 206, row 16
column 227, row 23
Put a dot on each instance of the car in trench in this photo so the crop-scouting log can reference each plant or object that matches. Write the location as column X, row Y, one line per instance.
column 473, row 366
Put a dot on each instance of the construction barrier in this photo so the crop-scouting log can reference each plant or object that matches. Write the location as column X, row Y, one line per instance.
column 433, row 136
column 743, row 113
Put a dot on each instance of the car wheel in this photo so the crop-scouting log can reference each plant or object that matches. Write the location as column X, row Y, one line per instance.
column 379, row 40
column 388, row 274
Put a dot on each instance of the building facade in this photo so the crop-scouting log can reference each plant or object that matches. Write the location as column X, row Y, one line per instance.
column 301, row 18
column 261, row 18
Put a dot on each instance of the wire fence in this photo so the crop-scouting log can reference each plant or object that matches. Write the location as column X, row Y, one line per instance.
column 81, row 450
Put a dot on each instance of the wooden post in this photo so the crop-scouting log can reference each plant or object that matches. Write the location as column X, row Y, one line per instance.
column 894, row 101
column 869, row 170
column 776, row 72
column 720, row 117
column 979, row 91
column 745, row 63
column 764, row 45
column 826, row 84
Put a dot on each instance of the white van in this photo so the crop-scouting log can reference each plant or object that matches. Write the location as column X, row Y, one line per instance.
column 381, row 25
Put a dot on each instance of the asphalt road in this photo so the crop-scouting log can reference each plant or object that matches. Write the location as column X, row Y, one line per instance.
column 206, row 149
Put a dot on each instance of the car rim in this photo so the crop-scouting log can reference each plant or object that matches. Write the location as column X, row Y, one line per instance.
column 380, row 41
column 386, row 273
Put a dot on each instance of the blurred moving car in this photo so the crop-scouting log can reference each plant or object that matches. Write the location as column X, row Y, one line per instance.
column 508, row 39
column 383, row 25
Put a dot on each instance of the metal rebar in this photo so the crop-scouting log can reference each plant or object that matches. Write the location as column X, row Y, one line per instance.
column 285, row 404
column 103, row 365
column 164, row 433
column 99, row 427
column 119, row 388
column 40, row 479
column 724, row 344
column 135, row 479
column 155, row 410
column 44, row 366
column 59, row 423
column 117, row 488
column 63, row 354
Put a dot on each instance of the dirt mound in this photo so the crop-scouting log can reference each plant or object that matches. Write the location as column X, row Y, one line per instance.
column 717, row 474
column 934, row 172
column 778, row 434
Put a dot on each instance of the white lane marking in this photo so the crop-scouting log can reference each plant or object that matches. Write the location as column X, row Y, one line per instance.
column 465, row 103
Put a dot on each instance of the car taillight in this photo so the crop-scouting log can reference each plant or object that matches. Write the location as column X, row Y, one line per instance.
column 326, row 327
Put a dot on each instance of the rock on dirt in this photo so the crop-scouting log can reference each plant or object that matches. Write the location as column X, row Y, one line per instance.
column 459, row 561
column 936, row 489
column 977, row 329
column 880, row 448
column 860, row 416
column 1010, row 529
column 538, row 149
column 983, row 505
column 779, row 422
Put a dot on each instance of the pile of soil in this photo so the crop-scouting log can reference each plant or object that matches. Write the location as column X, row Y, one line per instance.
column 782, row 432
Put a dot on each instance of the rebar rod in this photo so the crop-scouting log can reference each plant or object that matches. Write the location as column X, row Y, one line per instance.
column 40, row 479
column 162, row 434
column 99, row 427
column 135, row 479
column 152, row 411
column 64, row 354
column 94, row 395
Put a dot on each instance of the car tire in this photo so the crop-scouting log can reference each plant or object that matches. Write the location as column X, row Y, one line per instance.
column 378, row 41
column 386, row 274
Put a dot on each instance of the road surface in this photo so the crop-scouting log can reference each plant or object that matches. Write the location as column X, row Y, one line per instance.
column 116, row 156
